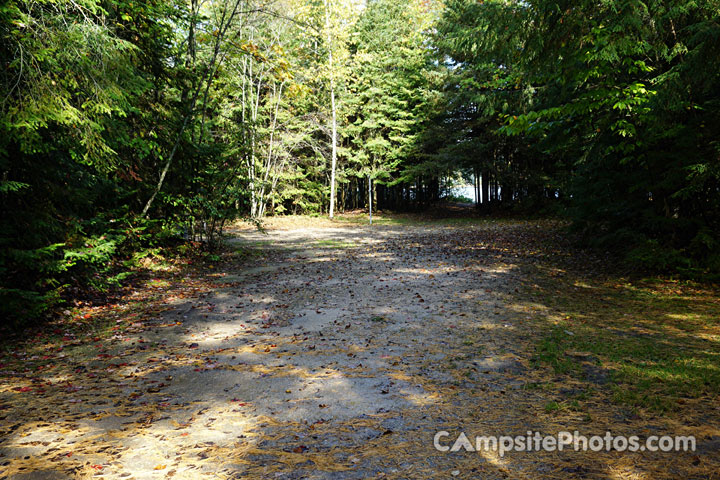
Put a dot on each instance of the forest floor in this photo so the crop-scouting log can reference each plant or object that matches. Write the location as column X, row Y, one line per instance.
column 336, row 350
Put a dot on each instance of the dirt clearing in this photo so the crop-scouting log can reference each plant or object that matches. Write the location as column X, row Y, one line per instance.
column 338, row 351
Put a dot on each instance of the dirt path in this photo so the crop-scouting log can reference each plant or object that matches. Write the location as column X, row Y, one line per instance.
column 335, row 353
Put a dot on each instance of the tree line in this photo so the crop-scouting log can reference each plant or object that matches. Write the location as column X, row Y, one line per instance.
column 130, row 125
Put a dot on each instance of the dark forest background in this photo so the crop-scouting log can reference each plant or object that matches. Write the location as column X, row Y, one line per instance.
column 131, row 126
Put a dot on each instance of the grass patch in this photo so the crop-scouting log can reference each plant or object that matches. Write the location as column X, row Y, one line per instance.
column 335, row 244
column 553, row 406
column 378, row 219
column 658, row 341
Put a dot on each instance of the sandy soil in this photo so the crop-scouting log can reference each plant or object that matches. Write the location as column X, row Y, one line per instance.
column 333, row 353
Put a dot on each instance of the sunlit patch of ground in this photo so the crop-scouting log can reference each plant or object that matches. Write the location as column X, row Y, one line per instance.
column 334, row 350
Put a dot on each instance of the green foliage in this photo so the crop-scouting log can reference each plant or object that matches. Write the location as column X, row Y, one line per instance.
column 127, row 125
column 458, row 199
column 92, row 101
column 612, row 106
column 389, row 89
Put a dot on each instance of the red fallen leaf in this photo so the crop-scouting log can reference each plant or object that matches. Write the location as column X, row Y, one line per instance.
column 104, row 355
column 184, row 434
column 23, row 389
column 96, row 467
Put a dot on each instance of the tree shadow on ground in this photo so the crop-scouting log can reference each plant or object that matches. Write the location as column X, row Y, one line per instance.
column 344, row 359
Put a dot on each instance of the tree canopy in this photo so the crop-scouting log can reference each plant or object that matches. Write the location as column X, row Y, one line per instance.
column 130, row 125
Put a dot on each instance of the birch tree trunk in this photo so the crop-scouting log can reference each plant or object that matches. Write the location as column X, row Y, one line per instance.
column 332, row 106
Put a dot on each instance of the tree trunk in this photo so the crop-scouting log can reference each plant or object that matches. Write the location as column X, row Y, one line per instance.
column 370, row 198
column 485, row 180
column 332, row 106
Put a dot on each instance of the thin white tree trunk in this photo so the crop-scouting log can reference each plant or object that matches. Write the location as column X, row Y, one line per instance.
column 334, row 111
column 254, row 186
column 370, row 199
column 270, row 161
